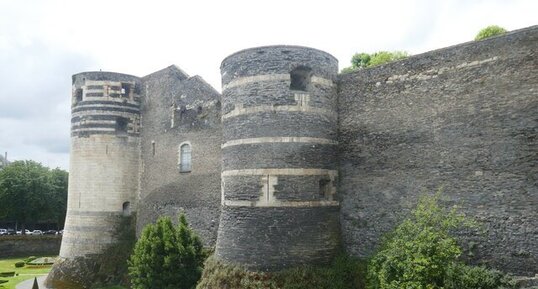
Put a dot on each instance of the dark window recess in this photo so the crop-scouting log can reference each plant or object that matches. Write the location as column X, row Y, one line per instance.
column 300, row 78
column 324, row 188
column 125, row 89
column 78, row 94
column 122, row 125
column 137, row 89
column 94, row 94
column 126, row 209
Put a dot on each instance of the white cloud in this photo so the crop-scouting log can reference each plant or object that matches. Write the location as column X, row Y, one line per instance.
column 43, row 42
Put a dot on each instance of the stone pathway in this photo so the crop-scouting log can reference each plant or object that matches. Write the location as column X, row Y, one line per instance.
column 28, row 283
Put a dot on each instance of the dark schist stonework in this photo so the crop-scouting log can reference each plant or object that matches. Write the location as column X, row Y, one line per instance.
column 279, row 161
column 293, row 161
column 464, row 119
column 278, row 237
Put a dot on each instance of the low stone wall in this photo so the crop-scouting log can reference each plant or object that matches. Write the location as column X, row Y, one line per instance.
column 12, row 246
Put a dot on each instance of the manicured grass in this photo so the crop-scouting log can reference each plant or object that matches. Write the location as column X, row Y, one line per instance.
column 25, row 273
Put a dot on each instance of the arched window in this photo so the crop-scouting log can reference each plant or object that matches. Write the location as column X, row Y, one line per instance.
column 126, row 209
column 185, row 164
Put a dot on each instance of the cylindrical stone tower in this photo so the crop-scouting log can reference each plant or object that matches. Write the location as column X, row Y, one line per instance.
column 104, row 163
column 279, row 164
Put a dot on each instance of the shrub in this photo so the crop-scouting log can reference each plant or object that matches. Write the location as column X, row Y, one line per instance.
column 418, row 252
column 422, row 254
column 29, row 259
column 166, row 256
column 469, row 277
column 490, row 31
column 364, row 60
column 19, row 264
column 383, row 57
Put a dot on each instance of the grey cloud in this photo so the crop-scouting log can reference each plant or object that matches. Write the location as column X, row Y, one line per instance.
column 35, row 78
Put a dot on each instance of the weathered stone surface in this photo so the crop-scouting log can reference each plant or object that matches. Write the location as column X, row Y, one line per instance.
column 273, row 218
column 276, row 238
column 292, row 140
column 16, row 246
column 180, row 109
column 463, row 118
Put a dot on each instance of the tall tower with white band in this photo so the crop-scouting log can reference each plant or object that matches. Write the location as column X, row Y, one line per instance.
column 279, row 158
column 104, row 163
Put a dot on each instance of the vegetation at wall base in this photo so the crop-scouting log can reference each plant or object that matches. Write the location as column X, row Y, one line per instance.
column 343, row 273
column 167, row 256
column 490, row 31
column 422, row 253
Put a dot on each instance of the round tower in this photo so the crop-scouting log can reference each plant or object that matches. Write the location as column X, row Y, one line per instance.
column 279, row 158
column 104, row 163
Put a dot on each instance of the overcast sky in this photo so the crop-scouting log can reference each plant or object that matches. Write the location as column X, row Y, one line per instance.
column 44, row 42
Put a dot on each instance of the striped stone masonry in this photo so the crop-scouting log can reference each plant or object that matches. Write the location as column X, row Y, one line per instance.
column 278, row 152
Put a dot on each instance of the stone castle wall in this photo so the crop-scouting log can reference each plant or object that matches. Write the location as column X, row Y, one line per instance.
column 464, row 119
column 298, row 158
column 179, row 109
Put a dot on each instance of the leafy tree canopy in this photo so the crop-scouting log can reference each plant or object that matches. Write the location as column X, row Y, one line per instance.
column 490, row 31
column 422, row 253
column 365, row 60
column 167, row 257
column 30, row 192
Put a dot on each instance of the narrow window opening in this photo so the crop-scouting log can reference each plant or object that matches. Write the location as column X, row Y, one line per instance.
column 300, row 78
column 153, row 147
column 126, row 209
column 121, row 125
column 324, row 188
column 78, row 95
column 185, row 158
column 125, row 89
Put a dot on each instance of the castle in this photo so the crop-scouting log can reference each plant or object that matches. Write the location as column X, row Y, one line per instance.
column 294, row 161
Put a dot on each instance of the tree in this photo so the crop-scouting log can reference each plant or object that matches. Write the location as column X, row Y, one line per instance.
column 30, row 192
column 166, row 256
column 58, row 202
column 490, row 31
column 421, row 253
column 24, row 191
column 365, row 60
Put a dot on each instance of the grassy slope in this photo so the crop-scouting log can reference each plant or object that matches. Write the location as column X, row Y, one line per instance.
column 26, row 272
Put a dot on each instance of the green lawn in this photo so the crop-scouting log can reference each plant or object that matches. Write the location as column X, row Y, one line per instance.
column 26, row 272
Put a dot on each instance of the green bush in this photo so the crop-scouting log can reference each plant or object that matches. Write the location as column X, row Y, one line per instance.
column 29, row 259
column 365, row 60
column 19, row 264
column 343, row 273
column 469, row 277
column 417, row 254
column 166, row 256
column 421, row 253
column 490, row 31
